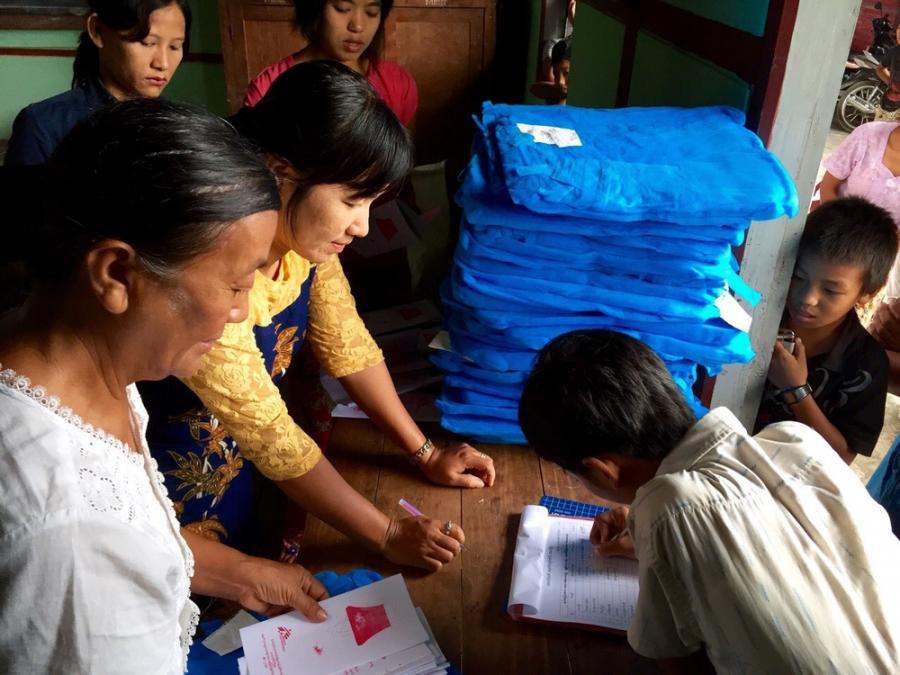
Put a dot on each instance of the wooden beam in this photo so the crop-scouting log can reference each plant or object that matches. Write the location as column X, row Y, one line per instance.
column 767, row 89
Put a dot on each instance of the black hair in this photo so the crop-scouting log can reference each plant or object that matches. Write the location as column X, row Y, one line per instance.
column 129, row 17
column 166, row 178
column 853, row 231
column 598, row 391
column 333, row 128
column 561, row 51
column 308, row 19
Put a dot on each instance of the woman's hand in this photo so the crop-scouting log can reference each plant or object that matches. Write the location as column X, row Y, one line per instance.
column 610, row 535
column 274, row 588
column 885, row 325
column 422, row 542
column 786, row 369
column 458, row 465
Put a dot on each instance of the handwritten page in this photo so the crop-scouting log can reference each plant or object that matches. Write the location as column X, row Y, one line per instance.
column 363, row 625
column 557, row 577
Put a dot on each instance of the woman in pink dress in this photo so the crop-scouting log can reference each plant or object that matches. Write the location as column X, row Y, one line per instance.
column 352, row 32
column 867, row 164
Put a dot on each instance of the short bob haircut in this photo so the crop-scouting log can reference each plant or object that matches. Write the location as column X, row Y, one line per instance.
column 130, row 17
column 308, row 19
column 853, row 231
column 332, row 127
column 595, row 392
column 166, row 178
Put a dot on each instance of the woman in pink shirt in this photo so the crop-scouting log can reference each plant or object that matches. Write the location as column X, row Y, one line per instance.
column 352, row 32
column 867, row 164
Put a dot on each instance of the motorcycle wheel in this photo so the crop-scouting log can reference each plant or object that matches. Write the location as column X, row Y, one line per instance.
column 856, row 105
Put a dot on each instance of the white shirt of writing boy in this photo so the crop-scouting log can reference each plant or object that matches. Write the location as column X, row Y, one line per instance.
column 768, row 552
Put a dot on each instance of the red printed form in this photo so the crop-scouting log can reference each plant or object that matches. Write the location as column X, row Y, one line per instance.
column 363, row 625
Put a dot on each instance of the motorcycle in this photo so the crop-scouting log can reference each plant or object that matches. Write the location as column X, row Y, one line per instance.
column 861, row 88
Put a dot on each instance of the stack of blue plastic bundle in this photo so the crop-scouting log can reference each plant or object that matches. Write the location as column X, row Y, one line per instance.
column 580, row 218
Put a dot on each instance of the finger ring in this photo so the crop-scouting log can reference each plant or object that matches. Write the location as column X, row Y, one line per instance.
column 448, row 527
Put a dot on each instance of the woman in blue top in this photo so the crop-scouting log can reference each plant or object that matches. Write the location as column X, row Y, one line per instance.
column 129, row 49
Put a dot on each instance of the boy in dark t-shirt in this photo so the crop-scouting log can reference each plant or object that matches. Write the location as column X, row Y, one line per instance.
column 835, row 381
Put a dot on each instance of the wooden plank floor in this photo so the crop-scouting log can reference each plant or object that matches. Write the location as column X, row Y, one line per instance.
column 466, row 601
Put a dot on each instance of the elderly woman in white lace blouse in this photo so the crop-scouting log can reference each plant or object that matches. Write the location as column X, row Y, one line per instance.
column 154, row 213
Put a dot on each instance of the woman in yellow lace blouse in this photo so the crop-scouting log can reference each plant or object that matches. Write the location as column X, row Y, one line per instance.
column 334, row 147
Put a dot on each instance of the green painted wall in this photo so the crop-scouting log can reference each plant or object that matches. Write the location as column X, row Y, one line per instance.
column 596, row 54
column 746, row 15
column 664, row 75
column 26, row 79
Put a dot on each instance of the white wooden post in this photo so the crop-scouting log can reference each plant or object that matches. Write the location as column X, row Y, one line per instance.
column 818, row 51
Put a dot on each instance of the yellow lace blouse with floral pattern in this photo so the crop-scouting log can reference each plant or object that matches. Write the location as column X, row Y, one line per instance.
column 236, row 387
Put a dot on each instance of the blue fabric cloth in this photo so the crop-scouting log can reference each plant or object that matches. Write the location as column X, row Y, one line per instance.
column 203, row 661
column 683, row 165
column 630, row 230
column 884, row 485
column 206, row 477
column 39, row 127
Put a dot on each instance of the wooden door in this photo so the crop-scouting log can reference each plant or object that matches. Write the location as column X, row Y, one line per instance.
column 255, row 33
column 447, row 45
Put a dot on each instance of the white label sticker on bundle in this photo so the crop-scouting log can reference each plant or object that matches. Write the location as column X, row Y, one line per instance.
column 563, row 138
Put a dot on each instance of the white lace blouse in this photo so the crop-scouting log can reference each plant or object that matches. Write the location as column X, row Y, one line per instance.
column 94, row 573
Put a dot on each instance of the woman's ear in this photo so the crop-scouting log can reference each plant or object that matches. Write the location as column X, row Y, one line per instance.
column 92, row 26
column 279, row 166
column 112, row 269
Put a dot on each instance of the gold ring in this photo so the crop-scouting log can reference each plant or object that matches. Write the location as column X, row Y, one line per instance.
column 448, row 527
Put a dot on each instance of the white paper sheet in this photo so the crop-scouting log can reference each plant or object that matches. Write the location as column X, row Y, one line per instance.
column 363, row 625
column 557, row 576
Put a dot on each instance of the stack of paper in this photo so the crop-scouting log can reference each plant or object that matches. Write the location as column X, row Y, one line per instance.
column 373, row 630
column 403, row 333
column 557, row 577
column 582, row 219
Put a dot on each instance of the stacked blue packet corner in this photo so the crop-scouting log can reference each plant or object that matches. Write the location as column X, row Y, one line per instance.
column 579, row 218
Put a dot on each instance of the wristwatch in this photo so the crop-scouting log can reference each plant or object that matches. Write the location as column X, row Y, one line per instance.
column 793, row 395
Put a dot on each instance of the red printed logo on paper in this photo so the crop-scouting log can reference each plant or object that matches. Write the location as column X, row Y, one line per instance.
column 318, row 650
column 367, row 622
column 284, row 633
column 387, row 227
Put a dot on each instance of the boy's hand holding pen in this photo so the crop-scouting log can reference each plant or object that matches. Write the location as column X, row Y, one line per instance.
column 610, row 535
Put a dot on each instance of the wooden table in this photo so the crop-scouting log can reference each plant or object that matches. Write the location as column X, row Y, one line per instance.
column 466, row 601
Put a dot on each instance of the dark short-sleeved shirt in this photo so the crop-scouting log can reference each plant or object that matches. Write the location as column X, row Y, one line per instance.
column 39, row 127
column 849, row 384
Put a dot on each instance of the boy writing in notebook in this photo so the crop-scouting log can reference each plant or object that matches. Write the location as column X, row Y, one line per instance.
column 757, row 554
column 836, row 379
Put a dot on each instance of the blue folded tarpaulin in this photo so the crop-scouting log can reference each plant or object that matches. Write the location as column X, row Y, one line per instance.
column 682, row 165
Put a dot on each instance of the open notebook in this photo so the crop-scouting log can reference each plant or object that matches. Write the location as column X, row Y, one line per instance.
column 558, row 578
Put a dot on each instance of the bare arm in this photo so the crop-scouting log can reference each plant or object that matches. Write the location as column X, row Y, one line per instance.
column 828, row 189
column 258, row 584
column 789, row 370
column 809, row 413
column 409, row 541
column 883, row 74
column 459, row 465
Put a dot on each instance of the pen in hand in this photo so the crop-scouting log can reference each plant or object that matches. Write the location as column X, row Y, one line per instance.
column 413, row 511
